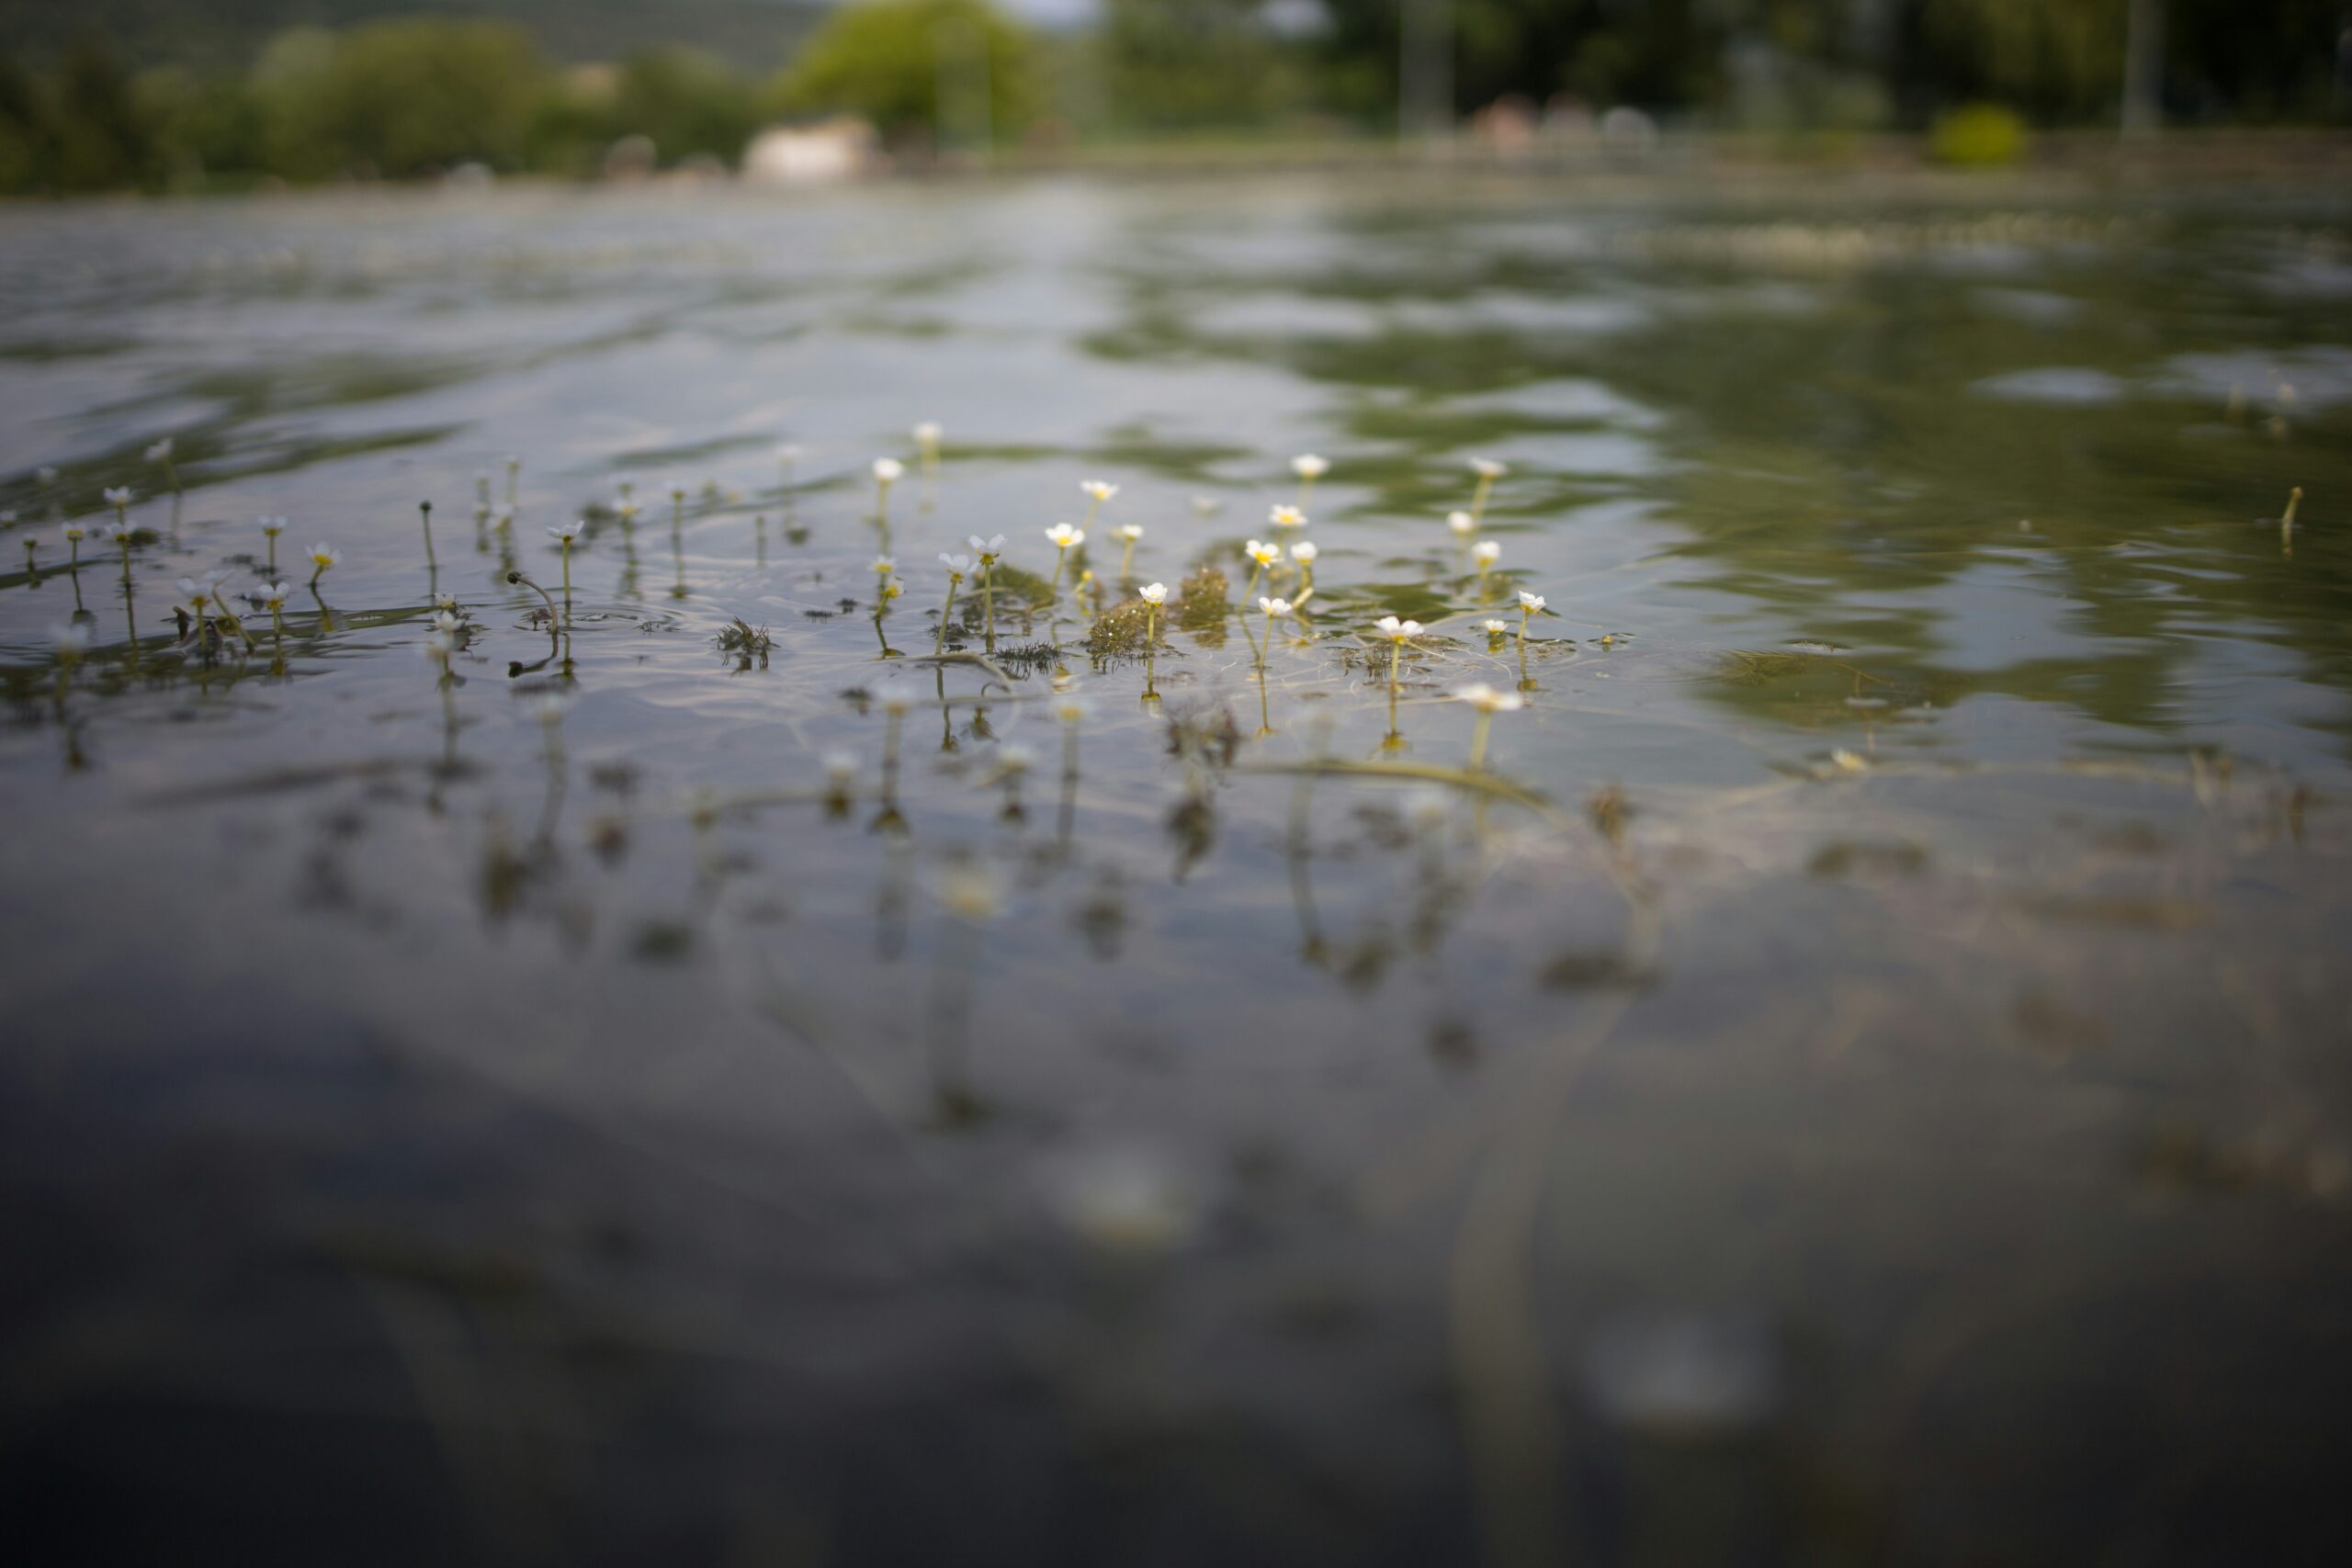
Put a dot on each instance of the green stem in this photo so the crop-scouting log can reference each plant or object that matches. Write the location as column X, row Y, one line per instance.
column 939, row 644
column 1478, row 740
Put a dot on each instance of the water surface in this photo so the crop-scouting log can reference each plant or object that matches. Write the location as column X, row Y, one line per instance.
column 1860, row 1076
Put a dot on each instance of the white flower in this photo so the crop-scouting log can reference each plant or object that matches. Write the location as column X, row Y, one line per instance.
column 1130, row 532
column 564, row 533
column 120, row 495
column 272, row 526
column 956, row 565
column 1486, row 552
column 1495, row 628
column 888, row 470
column 71, row 638
column 1531, row 603
column 883, row 566
column 1304, row 553
column 1153, row 593
column 444, row 621
column 1263, row 553
column 161, row 452
column 787, row 453
column 1395, row 630
column 1486, row 699
column 445, row 601
column 1069, row 707
column 120, row 532
column 1015, row 760
column 1487, row 468
column 73, row 534
column 1307, row 466
column 1098, row 489
column 927, row 433
column 195, row 590
column 438, row 646
column 1461, row 521
column 273, row 594
column 987, row 550
column 839, row 767
column 1206, row 506
column 1287, row 517
column 626, row 510
column 1061, row 536
column 971, row 890
column 1274, row 608
column 324, row 556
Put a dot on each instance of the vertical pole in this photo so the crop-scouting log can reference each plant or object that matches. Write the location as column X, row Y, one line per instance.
column 1425, row 70
column 2143, row 67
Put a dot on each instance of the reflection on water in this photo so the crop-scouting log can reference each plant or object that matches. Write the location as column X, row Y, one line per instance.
column 684, row 1040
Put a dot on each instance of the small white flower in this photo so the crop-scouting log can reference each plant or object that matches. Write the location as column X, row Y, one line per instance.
column 1461, row 521
column 927, row 433
column 1015, row 760
column 1062, row 537
column 787, row 453
column 969, row 889
column 445, row 601
column 883, row 566
column 1486, row 552
column 1206, row 506
column 120, row 495
column 120, row 532
column 1153, row 593
column 71, row 638
column 1287, row 517
column 1098, row 489
column 1486, row 699
column 839, row 767
column 273, row 594
column 1531, row 603
column 1396, row 630
column 195, row 590
column 1274, row 608
column 987, row 550
column 1304, row 553
column 889, row 469
column 324, row 556
column 444, row 621
column 272, row 526
column 564, row 533
column 161, row 452
column 956, row 565
column 1130, row 532
column 1307, row 466
column 1069, row 707
column 1487, row 468
column 1495, row 628
column 626, row 510
column 1263, row 553
column 74, row 534
column 438, row 646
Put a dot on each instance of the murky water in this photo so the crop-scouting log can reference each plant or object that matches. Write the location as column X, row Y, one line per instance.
column 1859, row 1074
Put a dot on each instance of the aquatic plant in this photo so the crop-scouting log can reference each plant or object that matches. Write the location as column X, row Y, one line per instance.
column 927, row 436
column 986, row 551
column 1154, row 595
column 1487, row 702
column 1484, row 555
column 1064, row 538
column 1128, row 533
column 1096, row 491
column 1529, row 604
column 1309, row 467
column 322, row 560
column 270, row 528
column 565, row 535
column 1399, row 632
column 1304, row 553
column 120, row 497
column 887, row 472
column 1262, row 554
column 1489, row 471
column 161, row 454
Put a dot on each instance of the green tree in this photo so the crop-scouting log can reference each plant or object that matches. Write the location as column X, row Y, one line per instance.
column 1178, row 63
column 398, row 100
column 888, row 60
column 688, row 102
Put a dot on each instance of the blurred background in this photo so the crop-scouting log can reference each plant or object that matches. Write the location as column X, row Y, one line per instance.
column 197, row 95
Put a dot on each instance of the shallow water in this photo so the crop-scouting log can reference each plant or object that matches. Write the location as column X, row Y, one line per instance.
column 1860, row 1076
